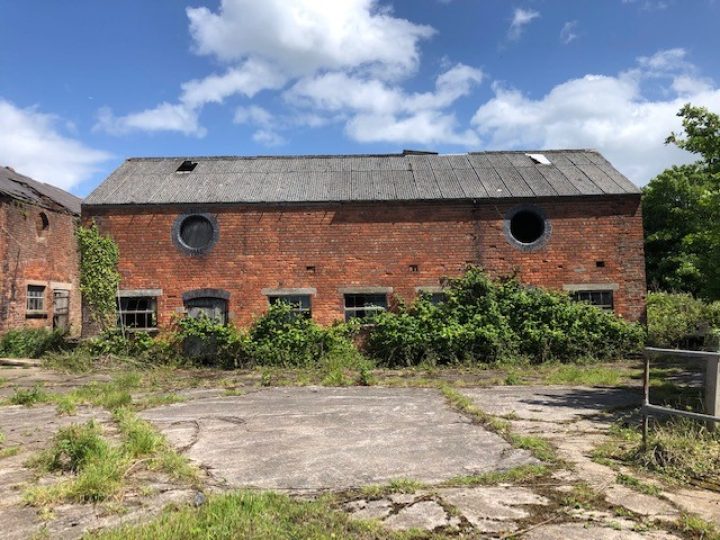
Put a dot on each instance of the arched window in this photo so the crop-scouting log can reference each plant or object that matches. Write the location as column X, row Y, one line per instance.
column 211, row 303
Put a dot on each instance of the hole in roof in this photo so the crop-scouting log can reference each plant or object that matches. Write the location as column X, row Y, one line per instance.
column 187, row 166
column 540, row 159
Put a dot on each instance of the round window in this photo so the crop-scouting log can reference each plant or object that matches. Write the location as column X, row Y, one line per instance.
column 195, row 233
column 526, row 227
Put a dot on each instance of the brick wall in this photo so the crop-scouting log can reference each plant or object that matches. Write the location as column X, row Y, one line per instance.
column 36, row 256
column 330, row 247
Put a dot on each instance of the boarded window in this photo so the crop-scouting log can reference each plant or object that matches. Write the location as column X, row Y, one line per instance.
column 362, row 306
column 301, row 303
column 601, row 299
column 35, row 298
column 196, row 232
column 137, row 312
column 210, row 307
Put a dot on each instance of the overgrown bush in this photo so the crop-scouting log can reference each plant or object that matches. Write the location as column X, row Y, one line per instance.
column 486, row 320
column 31, row 343
column 207, row 341
column 680, row 320
column 283, row 338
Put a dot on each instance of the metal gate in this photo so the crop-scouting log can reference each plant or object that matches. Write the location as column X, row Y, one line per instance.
column 61, row 309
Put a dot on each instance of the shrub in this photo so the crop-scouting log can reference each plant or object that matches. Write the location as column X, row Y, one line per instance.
column 282, row 338
column 207, row 341
column 31, row 343
column 679, row 320
column 487, row 320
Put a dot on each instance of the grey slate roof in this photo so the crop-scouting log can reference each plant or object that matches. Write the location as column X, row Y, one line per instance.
column 24, row 188
column 395, row 177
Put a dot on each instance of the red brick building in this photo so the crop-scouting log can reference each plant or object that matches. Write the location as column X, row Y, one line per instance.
column 40, row 264
column 341, row 236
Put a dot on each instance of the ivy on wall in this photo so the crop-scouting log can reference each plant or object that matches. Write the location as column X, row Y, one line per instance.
column 99, row 277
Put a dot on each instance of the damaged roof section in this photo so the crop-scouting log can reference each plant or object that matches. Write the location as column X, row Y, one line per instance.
column 25, row 189
column 389, row 177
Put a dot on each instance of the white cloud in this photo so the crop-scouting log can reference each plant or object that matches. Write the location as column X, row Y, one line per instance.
column 610, row 113
column 424, row 127
column 32, row 144
column 266, row 44
column 164, row 117
column 302, row 36
column 521, row 18
column 568, row 33
column 267, row 122
column 378, row 111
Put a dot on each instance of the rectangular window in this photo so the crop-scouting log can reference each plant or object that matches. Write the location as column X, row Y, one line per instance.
column 137, row 312
column 35, row 298
column 601, row 299
column 362, row 306
column 300, row 303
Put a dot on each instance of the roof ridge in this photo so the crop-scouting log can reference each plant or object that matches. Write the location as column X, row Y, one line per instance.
column 379, row 155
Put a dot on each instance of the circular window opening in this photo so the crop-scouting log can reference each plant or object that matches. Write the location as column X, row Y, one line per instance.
column 195, row 233
column 527, row 226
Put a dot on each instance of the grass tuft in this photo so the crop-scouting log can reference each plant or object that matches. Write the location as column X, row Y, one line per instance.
column 517, row 475
column 30, row 396
column 253, row 515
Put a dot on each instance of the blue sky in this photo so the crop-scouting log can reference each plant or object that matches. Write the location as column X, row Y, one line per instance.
column 85, row 84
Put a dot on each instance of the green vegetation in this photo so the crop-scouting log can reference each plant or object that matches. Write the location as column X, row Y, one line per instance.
column 583, row 496
column 30, row 396
column 9, row 451
column 485, row 320
column 698, row 528
column 678, row 449
column 522, row 474
column 677, row 320
column 98, row 469
column 256, row 515
column 31, row 343
column 576, row 374
column 538, row 447
column 637, row 485
column 398, row 485
column 99, row 277
column 681, row 212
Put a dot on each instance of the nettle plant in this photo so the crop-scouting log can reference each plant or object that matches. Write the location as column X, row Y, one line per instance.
column 99, row 277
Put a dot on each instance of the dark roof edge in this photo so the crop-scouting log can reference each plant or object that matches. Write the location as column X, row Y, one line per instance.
column 478, row 200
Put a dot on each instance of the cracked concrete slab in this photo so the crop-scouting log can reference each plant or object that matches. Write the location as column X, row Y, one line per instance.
column 493, row 508
column 586, row 531
column 427, row 515
column 332, row 438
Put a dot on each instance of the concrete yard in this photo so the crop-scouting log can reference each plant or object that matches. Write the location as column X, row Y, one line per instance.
column 332, row 438
column 307, row 441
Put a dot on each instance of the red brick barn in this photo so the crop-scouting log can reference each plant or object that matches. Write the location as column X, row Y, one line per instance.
column 40, row 263
column 340, row 236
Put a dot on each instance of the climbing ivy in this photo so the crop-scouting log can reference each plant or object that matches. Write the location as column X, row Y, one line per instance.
column 99, row 277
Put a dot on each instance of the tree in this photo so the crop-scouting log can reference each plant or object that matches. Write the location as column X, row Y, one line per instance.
column 681, row 209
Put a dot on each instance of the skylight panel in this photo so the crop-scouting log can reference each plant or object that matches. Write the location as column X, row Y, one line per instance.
column 540, row 159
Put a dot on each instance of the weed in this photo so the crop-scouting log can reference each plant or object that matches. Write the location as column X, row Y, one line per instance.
column 678, row 449
column 30, row 396
column 398, row 485
column 698, row 527
column 638, row 485
column 516, row 475
column 538, row 447
column 234, row 392
column 73, row 446
column 9, row 451
column 254, row 515
column 583, row 496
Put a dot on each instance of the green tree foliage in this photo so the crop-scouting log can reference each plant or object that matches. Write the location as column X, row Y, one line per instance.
column 99, row 277
column 681, row 210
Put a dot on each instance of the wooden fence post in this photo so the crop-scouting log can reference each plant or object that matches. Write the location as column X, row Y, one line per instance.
column 646, row 399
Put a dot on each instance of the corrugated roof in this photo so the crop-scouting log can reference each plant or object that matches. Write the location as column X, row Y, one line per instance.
column 396, row 177
column 24, row 188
